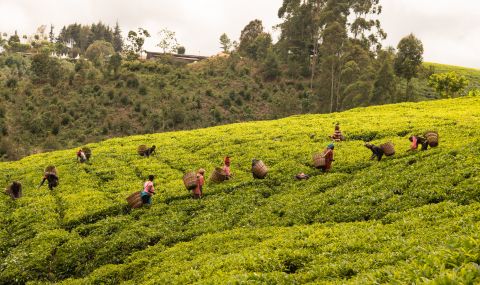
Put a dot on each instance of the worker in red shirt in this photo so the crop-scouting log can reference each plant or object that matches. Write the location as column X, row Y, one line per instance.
column 81, row 156
column 226, row 166
column 328, row 154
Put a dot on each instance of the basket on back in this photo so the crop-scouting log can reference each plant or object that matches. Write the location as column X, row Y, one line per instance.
column 135, row 200
column 142, row 149
column 388, row 148
column 319, row 160
column 259, row 170
column 218, row 175
column 14, row 190
column 190, row 180
column 432, row 138
column 88, row 152
column 51, row 169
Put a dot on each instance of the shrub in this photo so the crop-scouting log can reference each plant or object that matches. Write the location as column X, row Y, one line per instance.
column 142, row 90
column 132, row 82
column 11, row 83
column 226, row 103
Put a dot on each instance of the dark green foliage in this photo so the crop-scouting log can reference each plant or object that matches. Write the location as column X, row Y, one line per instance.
column 114, row 63
column 47, row 69
column 226, row 102
column 11, row 83
column 384, row 88
column 90, row 103
column 181, row 50
column 409, row 57
column 132, row 81
column 408, row 60
column 254, row 42
column 271, row 68
column 117, row 40
column 142, row 90
column 83, row 36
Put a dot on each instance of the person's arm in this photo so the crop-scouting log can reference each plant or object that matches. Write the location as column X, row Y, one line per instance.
column 425, row 145
column 380, row 155
column 43, row 181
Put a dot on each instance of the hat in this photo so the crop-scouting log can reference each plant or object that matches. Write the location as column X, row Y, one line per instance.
column 201, row 170
column 331, row 146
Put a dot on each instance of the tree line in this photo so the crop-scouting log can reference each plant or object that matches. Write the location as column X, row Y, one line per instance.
column 328, row 58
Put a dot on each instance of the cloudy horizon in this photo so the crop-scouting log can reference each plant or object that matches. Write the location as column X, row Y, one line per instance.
column 449, row 32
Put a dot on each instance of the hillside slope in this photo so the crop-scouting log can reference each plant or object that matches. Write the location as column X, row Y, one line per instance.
column 414, row 217
column 425, row 92
column 89, row 104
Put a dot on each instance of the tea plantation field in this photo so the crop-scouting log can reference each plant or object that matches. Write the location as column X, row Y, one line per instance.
column 410, row 218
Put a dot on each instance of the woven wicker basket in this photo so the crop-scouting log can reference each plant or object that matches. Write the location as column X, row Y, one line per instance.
column 432, row 138
column 260, row 170
column 51, row 169
column 135, row 200
column 218, row 175
column 141, row 149
column 388, row 148
column 319, row 160
column 88, row 152
column 190, row 180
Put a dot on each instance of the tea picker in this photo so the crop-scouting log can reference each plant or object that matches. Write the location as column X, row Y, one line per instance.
column 148, row 191
column 84, row 154
column 337, row 135
column 145, row 151
column 14, row 190
column 418, row 140
column 226, row 166
column 376, row 151
column 324, row 160
column 51, row 176
column 143, row 197
column 198, row 191
column 81, row 156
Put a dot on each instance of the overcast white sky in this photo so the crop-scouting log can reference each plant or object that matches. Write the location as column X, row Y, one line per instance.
column 449, row 30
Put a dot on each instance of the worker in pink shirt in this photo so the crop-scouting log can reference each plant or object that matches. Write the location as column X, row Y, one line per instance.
column 226, row 166
column 148, row 191
column 198, row 191
column 418, row 140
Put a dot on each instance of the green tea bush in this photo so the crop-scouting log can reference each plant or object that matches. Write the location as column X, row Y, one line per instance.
column 410, row 218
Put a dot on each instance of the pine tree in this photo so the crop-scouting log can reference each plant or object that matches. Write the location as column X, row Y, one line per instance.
column 117, row 38
column 51, row 35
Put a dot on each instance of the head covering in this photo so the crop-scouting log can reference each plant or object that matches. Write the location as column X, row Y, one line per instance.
column 201, row 171
column 331, row 146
